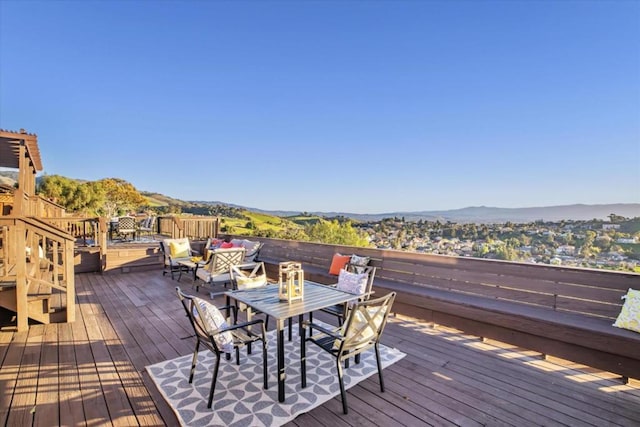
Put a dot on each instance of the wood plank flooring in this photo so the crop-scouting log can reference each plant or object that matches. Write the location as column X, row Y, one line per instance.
column 92, row 372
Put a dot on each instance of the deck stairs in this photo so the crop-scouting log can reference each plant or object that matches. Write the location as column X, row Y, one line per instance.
column 42, row 272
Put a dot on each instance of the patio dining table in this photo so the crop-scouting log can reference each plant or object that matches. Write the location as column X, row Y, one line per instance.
column 266, row 300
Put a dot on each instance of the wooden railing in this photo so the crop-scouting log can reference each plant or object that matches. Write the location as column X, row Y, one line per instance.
column 595, row 293
column 195, row 228
column 86, row 230
column 45, row 208
column 36, row 258
column 36, row 206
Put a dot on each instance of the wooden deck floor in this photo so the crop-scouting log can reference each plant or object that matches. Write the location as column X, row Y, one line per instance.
column 91, row 372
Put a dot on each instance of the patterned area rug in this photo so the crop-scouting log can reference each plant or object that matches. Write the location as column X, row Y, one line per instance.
column 240, row 400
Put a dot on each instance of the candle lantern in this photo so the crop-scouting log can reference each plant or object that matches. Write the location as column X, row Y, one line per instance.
column 290, row 281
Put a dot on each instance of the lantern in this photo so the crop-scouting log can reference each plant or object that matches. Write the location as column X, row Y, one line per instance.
column 290, row 281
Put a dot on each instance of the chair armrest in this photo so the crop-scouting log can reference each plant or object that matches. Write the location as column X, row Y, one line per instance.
column 322, row 329
column 242, row 325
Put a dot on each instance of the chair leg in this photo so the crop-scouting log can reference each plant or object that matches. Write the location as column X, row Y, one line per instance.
column 194, row 360
column 342, row 391
column 303, row 357
column 379, row 367
column 213, row 381
column 264, row 364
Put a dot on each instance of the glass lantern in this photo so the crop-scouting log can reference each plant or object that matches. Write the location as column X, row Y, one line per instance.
column 290, row 281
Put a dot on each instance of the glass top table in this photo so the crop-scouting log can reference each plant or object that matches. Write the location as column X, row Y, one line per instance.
column 265, row 299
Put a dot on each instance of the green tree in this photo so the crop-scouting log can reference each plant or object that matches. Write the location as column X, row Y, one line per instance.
column 334, row 232
column 73, row 195
column 119, row 196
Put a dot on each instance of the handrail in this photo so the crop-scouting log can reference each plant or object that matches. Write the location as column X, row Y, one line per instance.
column 36, row 252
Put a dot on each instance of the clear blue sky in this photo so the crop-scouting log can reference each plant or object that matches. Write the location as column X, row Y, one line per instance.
column 357, row 106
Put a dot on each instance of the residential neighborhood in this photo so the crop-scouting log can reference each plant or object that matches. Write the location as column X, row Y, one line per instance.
column 613, row 244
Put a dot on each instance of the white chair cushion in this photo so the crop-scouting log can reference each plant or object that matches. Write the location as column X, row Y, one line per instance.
column 213, row 320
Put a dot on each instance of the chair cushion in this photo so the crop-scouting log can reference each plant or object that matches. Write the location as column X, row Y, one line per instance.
column 251, row 282
column 179, row 249
column 354, row 283
column 629, row 317
column 360, row 331
column 337, row 263
column 213, row 321
column 251, row 250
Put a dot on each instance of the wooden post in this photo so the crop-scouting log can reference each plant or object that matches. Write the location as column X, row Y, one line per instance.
column 22, row 307
column 102, row 242
column 69, row 276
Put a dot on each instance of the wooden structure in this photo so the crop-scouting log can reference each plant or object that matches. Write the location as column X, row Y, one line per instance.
column 92, row 371
column 36, row 257
column 560, row 311
column 197, row 227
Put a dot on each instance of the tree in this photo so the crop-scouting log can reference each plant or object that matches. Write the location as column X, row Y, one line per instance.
column 119, row 196
column 334, row 232
column 71, row 194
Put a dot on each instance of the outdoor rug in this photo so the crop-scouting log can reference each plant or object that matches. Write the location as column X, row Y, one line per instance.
column 240, row 400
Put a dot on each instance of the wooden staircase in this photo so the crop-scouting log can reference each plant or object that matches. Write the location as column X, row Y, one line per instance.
column 32, row 284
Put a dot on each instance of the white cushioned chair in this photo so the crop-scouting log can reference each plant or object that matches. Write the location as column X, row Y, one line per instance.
column 218, row 266
column 176, row 250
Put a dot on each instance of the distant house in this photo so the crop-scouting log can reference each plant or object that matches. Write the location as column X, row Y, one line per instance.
column 566, row 250
column 610, row 226
column 626, row 240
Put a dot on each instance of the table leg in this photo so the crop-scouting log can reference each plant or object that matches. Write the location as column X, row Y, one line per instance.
column 303, row 352
column 281, row 374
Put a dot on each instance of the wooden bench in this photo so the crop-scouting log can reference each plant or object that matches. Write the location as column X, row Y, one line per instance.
column 563, row 312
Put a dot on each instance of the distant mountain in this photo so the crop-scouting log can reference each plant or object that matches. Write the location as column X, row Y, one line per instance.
column 485, row 214
column 478, row 214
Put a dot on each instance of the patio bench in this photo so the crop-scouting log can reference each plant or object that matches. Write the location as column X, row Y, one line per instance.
column 587, row 338
column 581, row 338
column 558, row 311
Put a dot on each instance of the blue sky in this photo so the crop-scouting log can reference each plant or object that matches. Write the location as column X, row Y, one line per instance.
column 356, row 106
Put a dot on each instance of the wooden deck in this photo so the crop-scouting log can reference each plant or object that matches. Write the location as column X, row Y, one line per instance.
column 92, row 372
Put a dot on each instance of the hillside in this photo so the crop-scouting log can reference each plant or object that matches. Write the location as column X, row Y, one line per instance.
column 477, row 214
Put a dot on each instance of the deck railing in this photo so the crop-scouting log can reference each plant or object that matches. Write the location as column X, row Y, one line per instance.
column 193, row 227
column 575, row 290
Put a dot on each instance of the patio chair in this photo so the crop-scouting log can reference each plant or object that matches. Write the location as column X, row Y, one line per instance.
column 216, row 335
column 357, row 280
column 126, row 226
column 249, row 276
column 362, row 330
column 174, row 251
column 217, row 268
column 147, row 225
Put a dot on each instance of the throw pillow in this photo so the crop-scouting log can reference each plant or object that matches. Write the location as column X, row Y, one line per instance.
column 215, row 243
column 226, row 245
column 245, row 282
column 353, row 283
column 337, row 263
column 179, row 249
column 359, row 262
column 213, row 320
column 251, row 250
column 362, row 261
column 629, row 317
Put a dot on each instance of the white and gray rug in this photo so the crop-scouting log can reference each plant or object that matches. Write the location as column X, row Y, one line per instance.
column 240, row 400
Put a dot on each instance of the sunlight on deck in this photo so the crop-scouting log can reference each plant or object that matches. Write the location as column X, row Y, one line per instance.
column 610, row 382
